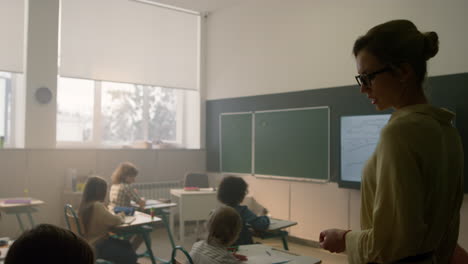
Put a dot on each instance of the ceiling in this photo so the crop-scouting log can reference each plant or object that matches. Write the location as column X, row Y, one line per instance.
column 200, row 5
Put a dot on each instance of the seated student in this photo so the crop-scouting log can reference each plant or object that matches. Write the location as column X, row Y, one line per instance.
column 232, row 191
column 49, row 244
column 121, row 192
column 97, row 221
column 224, row 226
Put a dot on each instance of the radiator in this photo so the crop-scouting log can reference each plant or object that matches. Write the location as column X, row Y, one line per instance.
column 156, row 190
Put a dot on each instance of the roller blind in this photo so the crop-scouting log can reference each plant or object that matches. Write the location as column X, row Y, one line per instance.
column 12, row 35
column 128, row 41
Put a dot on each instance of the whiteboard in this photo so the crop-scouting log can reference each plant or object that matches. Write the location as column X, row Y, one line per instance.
column 359, row 137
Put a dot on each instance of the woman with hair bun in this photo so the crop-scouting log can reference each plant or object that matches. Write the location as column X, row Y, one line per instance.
column 412, row 185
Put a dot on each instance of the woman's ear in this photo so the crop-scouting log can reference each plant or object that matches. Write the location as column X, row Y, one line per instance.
column 405, row 72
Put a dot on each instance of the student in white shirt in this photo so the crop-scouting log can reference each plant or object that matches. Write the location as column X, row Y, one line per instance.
column 224, row 227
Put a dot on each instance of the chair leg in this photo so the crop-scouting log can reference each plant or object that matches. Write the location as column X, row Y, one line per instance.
column 285, row 242
column 147, row 240
column 168, row 229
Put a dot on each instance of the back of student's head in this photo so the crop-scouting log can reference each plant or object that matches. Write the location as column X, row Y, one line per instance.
column 49, row 244
column 224, row 226
column 95, row 191
column 124, row 170
column 232, row 190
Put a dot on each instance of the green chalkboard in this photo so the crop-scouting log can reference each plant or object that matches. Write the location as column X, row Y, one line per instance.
column 292, row 143
column 236, row 142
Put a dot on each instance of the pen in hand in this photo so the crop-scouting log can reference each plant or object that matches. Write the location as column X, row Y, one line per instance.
column 269, row 254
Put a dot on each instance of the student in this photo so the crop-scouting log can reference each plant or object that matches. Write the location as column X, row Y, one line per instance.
column 412, row 186
column 224, row 226
column 121, row 192
column 49, row 244
column 97, row 221
column 232, row 191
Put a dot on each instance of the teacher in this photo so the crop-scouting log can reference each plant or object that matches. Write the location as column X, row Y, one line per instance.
column 412, row 185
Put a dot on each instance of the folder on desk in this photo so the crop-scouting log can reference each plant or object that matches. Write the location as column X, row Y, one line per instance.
column 18, row 201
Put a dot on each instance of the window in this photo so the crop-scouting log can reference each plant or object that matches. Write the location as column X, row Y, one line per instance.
column 95, row 113
column 75, row 107
column 7, row 83
column 138, row 112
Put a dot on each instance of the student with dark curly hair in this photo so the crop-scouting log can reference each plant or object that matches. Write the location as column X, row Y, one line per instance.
column 231, row 192
column 49, row 244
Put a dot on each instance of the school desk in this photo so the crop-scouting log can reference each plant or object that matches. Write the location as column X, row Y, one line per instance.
column 192, row 205
column 18, row 206
column 139, row 227
column 262, row 254
column 160, row 209
column 275, row 229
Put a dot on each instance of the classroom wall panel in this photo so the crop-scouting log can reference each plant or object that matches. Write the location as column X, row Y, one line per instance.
column 12, row 177
column 174, row 164
column 46, row 177
column 317, row 207
column 272, row 194
column 13, row 172
column 43, row 172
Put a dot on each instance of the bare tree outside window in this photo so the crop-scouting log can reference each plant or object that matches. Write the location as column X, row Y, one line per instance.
column 137, row 112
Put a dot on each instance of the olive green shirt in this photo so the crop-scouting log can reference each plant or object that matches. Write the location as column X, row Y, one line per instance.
column 412, row 190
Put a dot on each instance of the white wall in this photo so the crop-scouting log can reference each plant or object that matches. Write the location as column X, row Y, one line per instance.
column 43, row 173
column 274, row 46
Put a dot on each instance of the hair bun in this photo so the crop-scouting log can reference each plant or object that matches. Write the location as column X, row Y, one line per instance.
column 431, row 44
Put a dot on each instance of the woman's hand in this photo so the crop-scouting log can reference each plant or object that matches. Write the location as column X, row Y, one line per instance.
column 333, row 240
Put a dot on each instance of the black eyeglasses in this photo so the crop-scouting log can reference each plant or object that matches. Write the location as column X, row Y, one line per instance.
column 365, row 79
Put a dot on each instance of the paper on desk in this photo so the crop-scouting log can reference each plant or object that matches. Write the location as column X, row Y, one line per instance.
column 129, row 219
column 265, row 259
column 153, row 202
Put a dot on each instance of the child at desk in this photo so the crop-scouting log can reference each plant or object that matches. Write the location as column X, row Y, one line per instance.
column 232, row 191
column 121, row 193
column 224, row 226
column 97, row 221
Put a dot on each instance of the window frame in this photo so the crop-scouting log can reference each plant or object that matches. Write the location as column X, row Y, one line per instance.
column 97, row 130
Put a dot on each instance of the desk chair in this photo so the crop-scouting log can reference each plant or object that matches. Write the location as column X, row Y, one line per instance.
column 74, row 225
column 174, row 253
column 196, row 179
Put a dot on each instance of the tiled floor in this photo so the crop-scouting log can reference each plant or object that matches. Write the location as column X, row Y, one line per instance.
column 161, row 247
